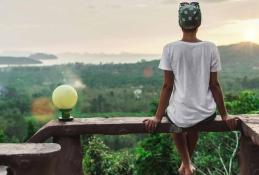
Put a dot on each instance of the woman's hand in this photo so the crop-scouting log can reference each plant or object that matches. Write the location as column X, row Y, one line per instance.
column 151, row 124
column 231, row 121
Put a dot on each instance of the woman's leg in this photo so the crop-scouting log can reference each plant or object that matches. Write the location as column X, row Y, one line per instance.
column 192, row 139
column 180, row 140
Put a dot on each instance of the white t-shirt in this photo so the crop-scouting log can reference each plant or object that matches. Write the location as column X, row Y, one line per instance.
column 191, row 100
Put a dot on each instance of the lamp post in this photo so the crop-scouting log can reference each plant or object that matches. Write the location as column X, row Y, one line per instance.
column 64, row 97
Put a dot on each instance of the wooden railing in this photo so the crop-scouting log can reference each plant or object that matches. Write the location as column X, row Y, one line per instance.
column 67, row 134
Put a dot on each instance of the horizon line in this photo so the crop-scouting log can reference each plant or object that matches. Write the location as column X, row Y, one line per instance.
column 110, row 53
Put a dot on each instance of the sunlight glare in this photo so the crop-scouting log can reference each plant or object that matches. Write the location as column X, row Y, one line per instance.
column 250, row 35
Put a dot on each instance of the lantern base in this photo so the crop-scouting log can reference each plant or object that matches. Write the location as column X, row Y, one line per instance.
column 65, row 115
column 66, row 119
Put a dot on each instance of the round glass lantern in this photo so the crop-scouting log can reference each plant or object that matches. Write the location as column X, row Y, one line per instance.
column 65, row 97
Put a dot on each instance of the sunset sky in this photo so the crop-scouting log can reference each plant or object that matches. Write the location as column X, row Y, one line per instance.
column 114, row 26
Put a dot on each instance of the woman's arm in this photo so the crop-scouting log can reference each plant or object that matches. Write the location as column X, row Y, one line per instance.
column 217, row 94
column 165, row 94
column 218, row 97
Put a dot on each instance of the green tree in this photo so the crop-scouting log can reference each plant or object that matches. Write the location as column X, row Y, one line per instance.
column 2, row 136
column 31, row 128
column 156, row 155
column 216, row 153
column 100, row 160
column 246, row 102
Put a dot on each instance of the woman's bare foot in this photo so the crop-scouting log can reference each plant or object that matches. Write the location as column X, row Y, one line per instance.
column 187, row 170
column 181, row 170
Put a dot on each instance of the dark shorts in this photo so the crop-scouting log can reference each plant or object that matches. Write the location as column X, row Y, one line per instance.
column 206, row 120
column 209, row 119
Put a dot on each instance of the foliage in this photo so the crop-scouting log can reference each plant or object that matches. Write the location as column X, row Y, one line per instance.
column 99, row 159
column 244, row 103
column 13, row 124
column 31, row 128
column 156, row 155
column 117, row 142
column 216, row 153
column 95, row 156
column 153, row 107
column 2, row 136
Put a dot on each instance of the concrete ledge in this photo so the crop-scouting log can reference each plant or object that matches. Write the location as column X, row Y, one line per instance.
column 67, row 134
column 250, row 127
column 30, row 158
column 126, row 125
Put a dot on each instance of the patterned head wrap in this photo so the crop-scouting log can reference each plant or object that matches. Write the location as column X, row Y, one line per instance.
column 189, row 15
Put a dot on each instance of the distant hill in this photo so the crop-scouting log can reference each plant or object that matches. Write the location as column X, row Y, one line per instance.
column 42, row 56
column 17, row 60
column 240, row 59
column 245, row 53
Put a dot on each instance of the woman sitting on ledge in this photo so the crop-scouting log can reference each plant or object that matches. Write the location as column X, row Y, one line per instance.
column 191, row 90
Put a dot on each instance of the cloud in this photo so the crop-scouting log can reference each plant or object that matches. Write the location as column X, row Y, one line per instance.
column 169, row 1
column 138, row 3
column 109, row 25
column 203, row 1
column 218, row 1
column 213, row 1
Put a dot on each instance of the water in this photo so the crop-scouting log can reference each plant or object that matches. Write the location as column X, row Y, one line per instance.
column 96, row 60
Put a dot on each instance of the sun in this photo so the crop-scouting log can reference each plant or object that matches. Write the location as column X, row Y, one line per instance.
column 250, row 35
